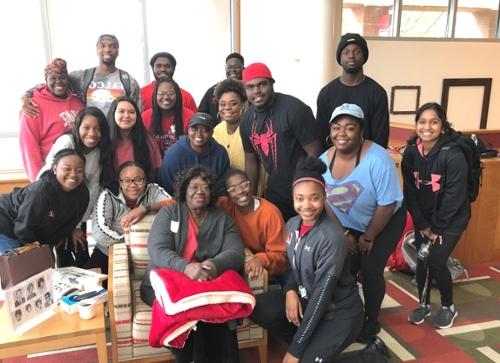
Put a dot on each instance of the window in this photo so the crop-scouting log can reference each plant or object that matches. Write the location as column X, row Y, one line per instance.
column 74, row 38
column 197, row 32
column 476, row 18
column 198, row 37
column 368, row 17
column 422, row 18
column 289, row 45
column 23, row 62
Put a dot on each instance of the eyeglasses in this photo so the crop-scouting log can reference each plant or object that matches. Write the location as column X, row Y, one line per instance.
column 234, row 67
column 166, row 94
column 205, row 188
column 242, row 186
column 137, row 181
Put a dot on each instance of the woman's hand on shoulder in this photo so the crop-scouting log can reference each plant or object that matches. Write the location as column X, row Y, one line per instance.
column 293, row 308
column 288, row 358
column 134, row 216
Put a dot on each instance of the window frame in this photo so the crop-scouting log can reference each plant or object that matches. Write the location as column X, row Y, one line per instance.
column 450, row 24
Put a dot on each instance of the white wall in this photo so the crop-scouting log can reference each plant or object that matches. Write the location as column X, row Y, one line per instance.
column 426, row 63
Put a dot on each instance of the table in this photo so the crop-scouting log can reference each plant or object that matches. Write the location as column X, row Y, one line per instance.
column 58, row 332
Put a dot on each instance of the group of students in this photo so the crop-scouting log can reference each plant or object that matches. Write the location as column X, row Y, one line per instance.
column 346, row 215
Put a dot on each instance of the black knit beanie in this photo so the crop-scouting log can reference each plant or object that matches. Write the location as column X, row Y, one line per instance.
column 352, row 38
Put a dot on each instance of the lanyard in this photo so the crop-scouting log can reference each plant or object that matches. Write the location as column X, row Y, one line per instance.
column 296, row 264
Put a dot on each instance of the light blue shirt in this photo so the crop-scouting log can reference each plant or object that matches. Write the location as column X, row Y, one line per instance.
column 373, row 182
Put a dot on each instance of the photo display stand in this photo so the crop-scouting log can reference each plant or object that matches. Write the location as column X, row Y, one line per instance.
column 31, row 301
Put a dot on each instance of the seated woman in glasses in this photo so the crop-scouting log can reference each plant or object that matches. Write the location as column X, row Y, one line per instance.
column 260, row 223
column 114, row 214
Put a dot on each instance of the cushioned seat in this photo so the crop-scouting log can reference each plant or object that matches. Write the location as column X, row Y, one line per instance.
column 131, row 318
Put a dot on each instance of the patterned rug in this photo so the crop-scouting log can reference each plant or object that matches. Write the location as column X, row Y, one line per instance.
column 475, row 336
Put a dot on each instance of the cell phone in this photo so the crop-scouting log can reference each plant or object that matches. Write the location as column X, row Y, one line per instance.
column 87, row 295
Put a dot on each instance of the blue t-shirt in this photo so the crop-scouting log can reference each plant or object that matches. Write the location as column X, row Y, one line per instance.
column 373, row 182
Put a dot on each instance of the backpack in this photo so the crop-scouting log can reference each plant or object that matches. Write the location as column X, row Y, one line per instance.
column 396, row 261
column 409, row 252
column 472, row 156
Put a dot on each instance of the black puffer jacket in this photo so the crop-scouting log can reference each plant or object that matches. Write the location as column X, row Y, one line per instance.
column 42, row 211
column 436, row 192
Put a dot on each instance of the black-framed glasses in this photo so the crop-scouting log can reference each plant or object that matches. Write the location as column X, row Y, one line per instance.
column 242, row 186
column 137, row 181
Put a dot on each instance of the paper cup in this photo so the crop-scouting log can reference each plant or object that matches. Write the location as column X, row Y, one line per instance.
column 87, row 308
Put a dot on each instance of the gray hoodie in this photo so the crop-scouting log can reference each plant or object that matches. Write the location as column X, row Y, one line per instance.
column 110, row 208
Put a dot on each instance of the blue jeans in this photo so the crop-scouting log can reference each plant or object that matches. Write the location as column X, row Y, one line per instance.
column 6, row 243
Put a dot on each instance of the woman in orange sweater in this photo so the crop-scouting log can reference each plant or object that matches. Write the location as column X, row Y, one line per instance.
column 260, row 224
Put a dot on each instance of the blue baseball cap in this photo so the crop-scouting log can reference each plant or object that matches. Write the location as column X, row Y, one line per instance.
column 348, row 109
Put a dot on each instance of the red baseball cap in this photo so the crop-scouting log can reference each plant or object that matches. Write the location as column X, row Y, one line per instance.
column 256, row 70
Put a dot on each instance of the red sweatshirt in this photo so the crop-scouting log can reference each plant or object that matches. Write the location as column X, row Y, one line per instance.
column 37, row 134
column 147, row 98
column 169, row 137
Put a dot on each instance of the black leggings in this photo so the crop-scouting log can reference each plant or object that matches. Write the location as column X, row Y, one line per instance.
column 372, row 266
column 329, row 339
column 209, row 343
column 437, row 266
column 98, row 259
column 74, row 255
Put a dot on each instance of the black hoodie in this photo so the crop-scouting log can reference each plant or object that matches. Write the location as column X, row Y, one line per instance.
column 436, row 195
column 42, row 211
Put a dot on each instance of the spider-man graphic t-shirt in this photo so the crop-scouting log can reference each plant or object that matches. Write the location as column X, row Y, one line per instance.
column 277, row 135
column 355, row 197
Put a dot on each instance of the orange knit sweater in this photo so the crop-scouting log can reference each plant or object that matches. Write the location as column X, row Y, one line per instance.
column 262, row 231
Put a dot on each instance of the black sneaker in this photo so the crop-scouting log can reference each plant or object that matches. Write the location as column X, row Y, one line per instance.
column 418, row 315
column 370, row 329
column 445, row 317
column 378, row 346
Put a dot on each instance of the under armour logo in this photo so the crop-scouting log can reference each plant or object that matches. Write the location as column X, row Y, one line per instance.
column 318, row 359
column 307, row 248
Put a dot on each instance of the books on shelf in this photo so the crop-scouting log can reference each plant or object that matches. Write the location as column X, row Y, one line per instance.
column 68, row 279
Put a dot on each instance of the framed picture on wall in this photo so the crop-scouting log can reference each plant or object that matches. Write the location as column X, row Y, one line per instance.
column 405, row 100
column 467, row 101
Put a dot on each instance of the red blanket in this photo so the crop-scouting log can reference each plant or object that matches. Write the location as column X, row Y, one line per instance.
column 181, row 302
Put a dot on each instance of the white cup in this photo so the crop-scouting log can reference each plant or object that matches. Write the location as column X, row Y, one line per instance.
column 87, row 308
